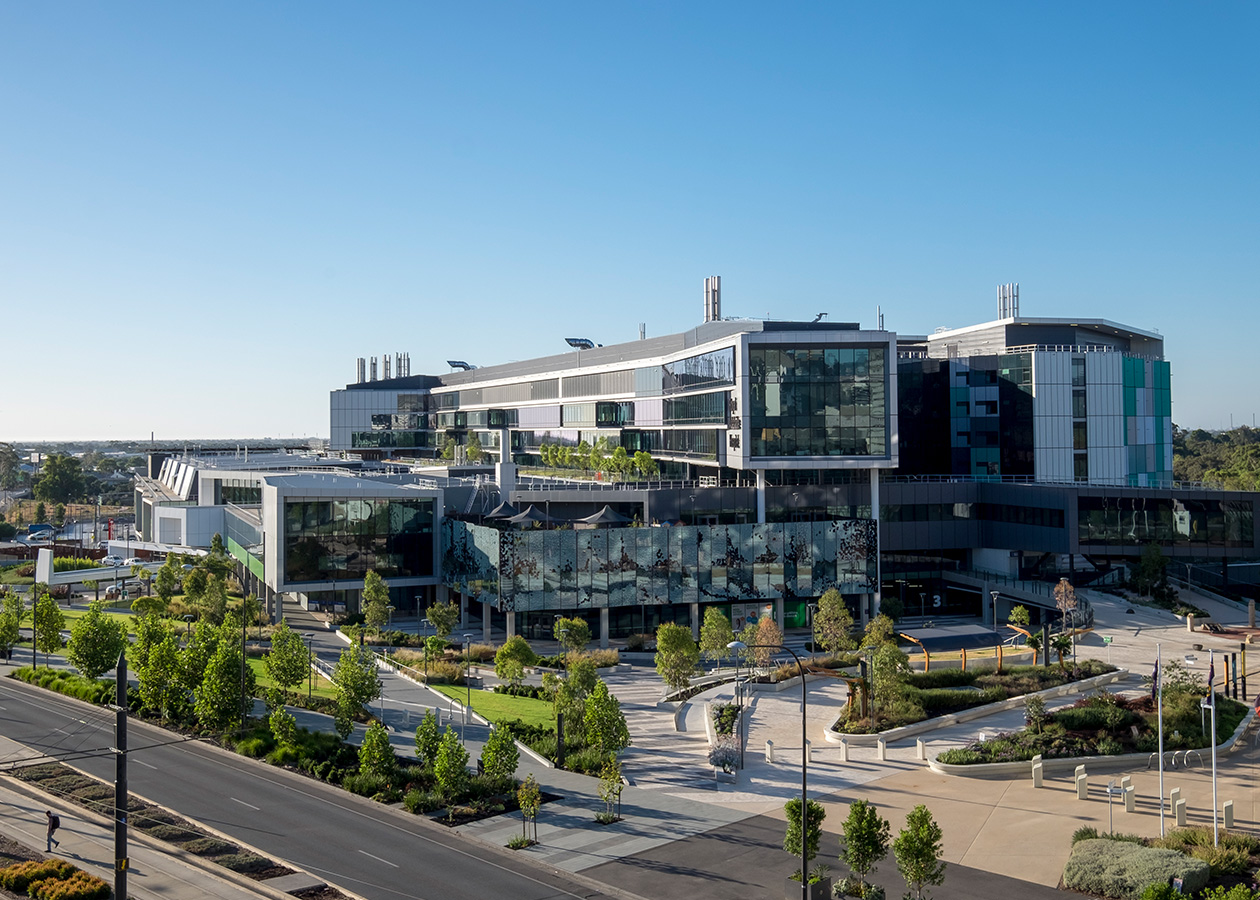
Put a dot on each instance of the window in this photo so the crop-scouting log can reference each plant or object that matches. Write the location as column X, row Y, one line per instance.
column 1078, row 372
column 1080, row 437
column 1078, row 405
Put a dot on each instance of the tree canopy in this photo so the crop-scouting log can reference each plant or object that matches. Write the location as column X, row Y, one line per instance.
column 96, row 641
column 676, row 655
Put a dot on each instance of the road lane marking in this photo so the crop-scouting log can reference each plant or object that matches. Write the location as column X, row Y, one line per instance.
column 378, row 859
column 145, row 764
column 243, row 803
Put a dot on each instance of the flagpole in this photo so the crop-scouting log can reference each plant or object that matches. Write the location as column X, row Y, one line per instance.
column 1212, row 694
column 1159, row 708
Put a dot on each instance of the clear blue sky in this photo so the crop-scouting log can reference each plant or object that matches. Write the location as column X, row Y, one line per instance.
column 208, row 211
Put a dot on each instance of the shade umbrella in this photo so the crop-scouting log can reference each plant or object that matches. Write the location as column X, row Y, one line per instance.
column 531, row 514
column 606, row 516
column 504, row 510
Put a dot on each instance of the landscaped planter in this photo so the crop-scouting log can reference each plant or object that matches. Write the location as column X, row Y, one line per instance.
column 908, row 731
column 819, row 890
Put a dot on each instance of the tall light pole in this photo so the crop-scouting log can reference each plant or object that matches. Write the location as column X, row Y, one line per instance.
column 310, row 664
column 994, row 595
column 467, row 672
column 740, row 645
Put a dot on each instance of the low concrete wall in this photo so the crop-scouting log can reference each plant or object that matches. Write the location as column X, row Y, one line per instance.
column 967, row 715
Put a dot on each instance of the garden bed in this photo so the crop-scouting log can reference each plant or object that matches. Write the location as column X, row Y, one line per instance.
column 929, row 695
column 1103, row 725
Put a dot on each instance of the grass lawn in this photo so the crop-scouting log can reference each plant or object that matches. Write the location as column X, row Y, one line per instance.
column 496, row 707
column 8, row 576
column 323, row 687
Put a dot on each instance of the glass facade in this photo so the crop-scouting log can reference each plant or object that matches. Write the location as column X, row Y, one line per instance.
column 818, row 401
column 620, row 567
column 330, row 540
column 706, row 370
column 1167, row 521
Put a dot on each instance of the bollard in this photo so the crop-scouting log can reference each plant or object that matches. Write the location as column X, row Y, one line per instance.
column 1080, row 770
column 1190, row 623
column 921, row 746
column 1036, row 773
column 1130, row 798
column 769, row 751
column 1082, row 787
column 844, row 749
column 881, row 749
column 1228, row 810
column 809, row 753
column 1181, row 813
column 1126, row 781
column 1173, row 796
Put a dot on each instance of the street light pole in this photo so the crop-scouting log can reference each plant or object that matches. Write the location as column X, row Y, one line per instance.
column 310, row 664
column 740, row 645
column 467, row 672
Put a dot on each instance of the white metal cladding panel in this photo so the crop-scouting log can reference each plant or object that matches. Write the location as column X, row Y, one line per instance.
column 1053, row 400
column 1104, row 368
column 1106, row 465
column 170, row 527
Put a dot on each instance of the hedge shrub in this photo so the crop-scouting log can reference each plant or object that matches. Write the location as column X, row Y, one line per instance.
column 1123, row 870
column 18, row 877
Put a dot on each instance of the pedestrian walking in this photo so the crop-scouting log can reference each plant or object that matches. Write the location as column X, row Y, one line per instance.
column 54, row 822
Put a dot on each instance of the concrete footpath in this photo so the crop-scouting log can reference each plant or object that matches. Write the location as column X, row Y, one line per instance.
column 155, row 873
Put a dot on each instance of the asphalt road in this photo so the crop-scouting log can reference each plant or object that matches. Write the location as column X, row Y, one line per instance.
column 360, row 845
column 745, row 861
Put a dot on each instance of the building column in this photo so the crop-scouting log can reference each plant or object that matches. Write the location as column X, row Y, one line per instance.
column 463, row 611
column 485, row 623
column 875, row 600
column 510, row 617
column 695, row 621
column 778, row 613
column 603, row 628
column 761, row 496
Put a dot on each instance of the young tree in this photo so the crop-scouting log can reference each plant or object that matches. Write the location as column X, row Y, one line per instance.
column 198, row 650
column 529, row 798
column 792, row 837
column 918, row 851
column 646, row 465
column 428, row 739
column 889, row 668
column 879, row 631
column 376, row 608
column 215, row 601
column 605, row 723
column 376, row 756
column 1019, row 616
column 572, row 634
column 610, row 788
column 443, row 616
column 1034, row 712
column 47, row 622
column 284, row 727
column 676, row 655
column 864, row 840
column 96, row 640
column 769, row 637
column 473, row 448
column 195, row 584
column 59, row 515
column 218, row 702
column 40, row 512
column 161, row 682
column 450, row 768
column 288, row 661
column 512, row 658
column 216, row 545
column 499, row 756
column 715, row 634
column 150, row 631
column 93, row 585
column 833, row 622
column 12, row 614
column 358, row 683
column 748, row 637
column 166, row 579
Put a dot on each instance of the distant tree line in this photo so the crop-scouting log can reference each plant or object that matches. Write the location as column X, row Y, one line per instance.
column 1231, row 458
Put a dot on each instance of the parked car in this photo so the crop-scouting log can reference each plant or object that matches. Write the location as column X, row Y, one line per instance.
column 112, row 561
column 135, row 561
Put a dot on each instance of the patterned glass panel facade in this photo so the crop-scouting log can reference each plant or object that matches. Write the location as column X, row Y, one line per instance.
column 536, row 570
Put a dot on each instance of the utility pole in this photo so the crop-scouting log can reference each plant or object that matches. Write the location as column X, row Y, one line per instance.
column 120, row 780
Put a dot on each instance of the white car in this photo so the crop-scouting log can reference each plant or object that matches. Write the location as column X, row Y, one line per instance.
column 134, row 561
column 108, row 561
